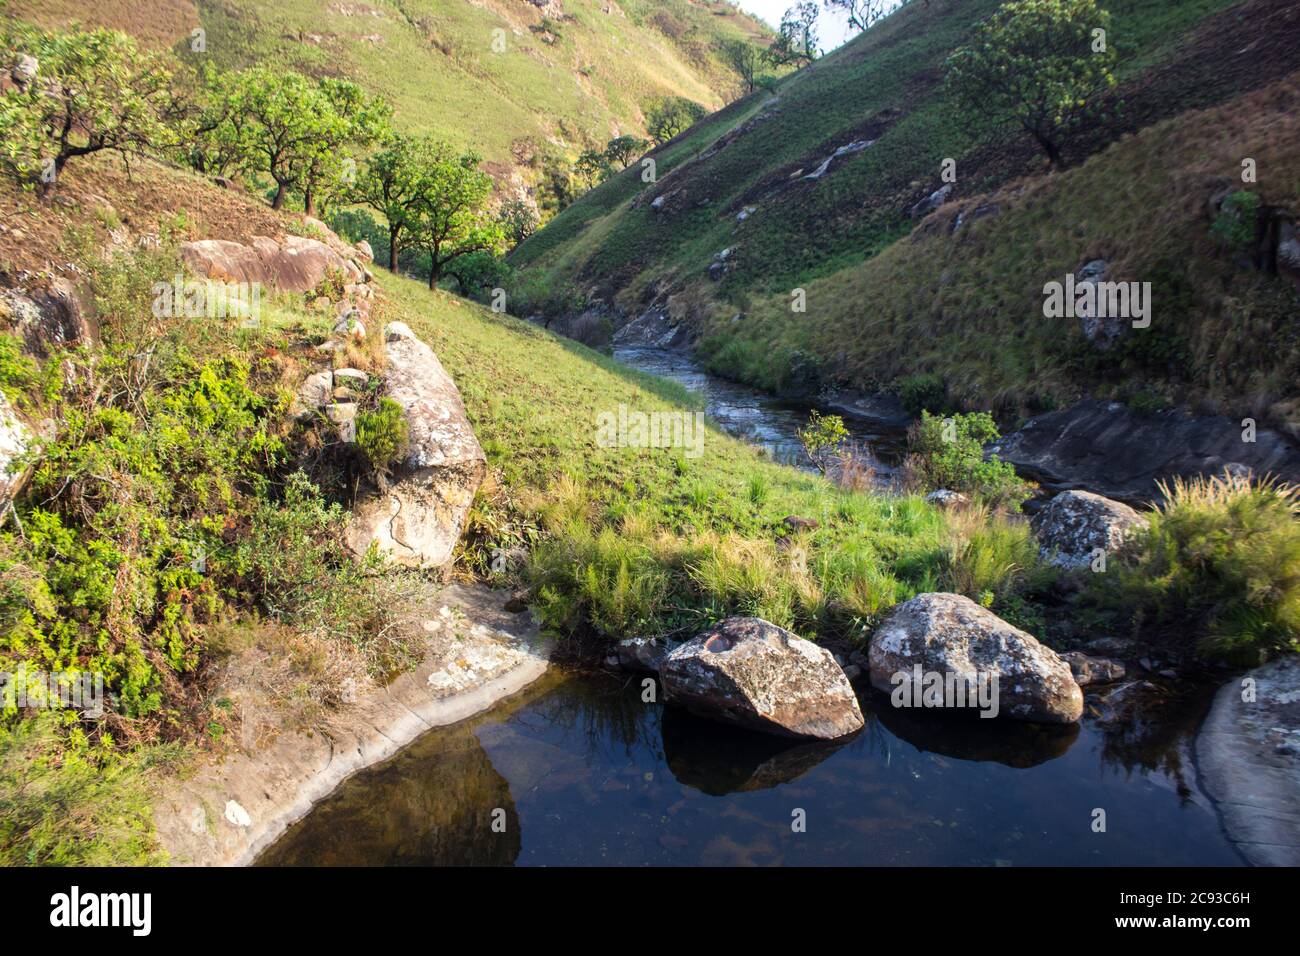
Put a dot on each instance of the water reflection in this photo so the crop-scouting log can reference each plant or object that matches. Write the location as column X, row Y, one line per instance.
column 585, row 773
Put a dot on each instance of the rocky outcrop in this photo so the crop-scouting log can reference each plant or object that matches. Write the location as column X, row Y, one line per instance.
column 1114, row 451
column 1248, row 752
column 751, row 673
column 652, row 329
column 1076, row 523
column 1100, row 329
column 49, row 316
column 290, row 264
column 418, row 518
column 947, row 499
column 949, row 634
column 932, row 202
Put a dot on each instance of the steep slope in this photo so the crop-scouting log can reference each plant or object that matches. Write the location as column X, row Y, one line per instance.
column 569, row 72
column 755, row 180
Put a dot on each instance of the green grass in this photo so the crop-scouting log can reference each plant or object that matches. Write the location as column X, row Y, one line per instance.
column 650, row 541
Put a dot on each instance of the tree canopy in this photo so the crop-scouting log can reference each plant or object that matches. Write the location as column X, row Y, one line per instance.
column 1044, row 64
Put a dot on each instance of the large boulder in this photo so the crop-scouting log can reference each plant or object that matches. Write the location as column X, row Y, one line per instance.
column 1076, row 523
column 49, row 316
column 949, row 634
column 291, row 264
column 418, row 518
column 749, row 672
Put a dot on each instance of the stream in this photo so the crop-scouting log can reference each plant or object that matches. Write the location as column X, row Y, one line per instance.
column 577, row 770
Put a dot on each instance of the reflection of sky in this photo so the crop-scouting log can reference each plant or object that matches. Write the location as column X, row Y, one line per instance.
column 832, row 25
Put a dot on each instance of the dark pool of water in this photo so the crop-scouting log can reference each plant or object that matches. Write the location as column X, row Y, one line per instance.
column 760, row 419
column 578, row 771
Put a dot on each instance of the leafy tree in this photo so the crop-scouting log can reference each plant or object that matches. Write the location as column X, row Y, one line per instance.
column 518, row 219
column 622, row 151
column 796, row 40
column 1040, row 63
column 450, row 218
column 862, row 14
column 949, row 453
column 94, row 91
column 745, row 58
column 591, row 167
column 295, row 130
column 671, row 115
column 392, row 182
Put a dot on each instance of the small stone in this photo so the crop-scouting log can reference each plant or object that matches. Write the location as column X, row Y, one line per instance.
column 237, row 815
column 344, row 415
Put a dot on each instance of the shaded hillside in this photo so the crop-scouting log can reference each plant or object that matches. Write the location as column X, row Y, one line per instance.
column 756, row 181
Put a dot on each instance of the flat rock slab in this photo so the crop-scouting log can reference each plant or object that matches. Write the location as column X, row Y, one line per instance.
column 228, row 812
column 1249, row 757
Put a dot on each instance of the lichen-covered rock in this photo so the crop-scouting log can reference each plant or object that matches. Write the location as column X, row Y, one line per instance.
column 418, row 518
column 951, row 634
column 749, row 672
column 643, row 654
column 947, row 499
column 1093, row 670
column 932, row 202
column 1076, row 523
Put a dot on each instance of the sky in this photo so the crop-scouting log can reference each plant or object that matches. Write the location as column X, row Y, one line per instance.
column 832, row 25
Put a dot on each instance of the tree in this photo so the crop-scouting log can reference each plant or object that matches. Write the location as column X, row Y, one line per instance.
column 862, row 14
column 450, row 218
column 1041, row 63
column 622, row 151
column 796, row 40
column 519, row 220
column 392, row 182
column 591, row 167
column 295, row 130
column 745, row 58
column 93, row 91
column 671, row 115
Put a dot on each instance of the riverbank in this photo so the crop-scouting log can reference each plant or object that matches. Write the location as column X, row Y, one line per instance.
column 1249, row 755
column 228, row 810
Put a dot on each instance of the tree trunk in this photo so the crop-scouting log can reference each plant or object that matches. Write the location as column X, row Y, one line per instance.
column 1050, row 148
column 280, row 191
column 433, row 272
column 392, row 247
column 309, row 202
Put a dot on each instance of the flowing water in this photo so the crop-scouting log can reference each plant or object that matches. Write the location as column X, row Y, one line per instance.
column 578, row 771
column 758, row 418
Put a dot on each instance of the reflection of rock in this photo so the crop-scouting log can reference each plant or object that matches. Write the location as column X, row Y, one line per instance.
column 718, row 760
column 965, row 736
column 432, row 805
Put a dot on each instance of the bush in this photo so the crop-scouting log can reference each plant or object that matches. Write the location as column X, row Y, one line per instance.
column 382, row 435
column 1237, row 222
column 1221, row 560
column 949, row 453
column 923, row 393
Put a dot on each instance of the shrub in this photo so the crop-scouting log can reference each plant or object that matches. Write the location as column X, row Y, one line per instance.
column 1237, row 221
column 382, row 435
column 923, row 393
column 822, row 438
column 1221, row 560
column 949, row 453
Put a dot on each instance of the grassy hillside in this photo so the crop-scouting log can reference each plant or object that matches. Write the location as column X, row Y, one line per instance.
column 738, row 182
column 572, row 73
